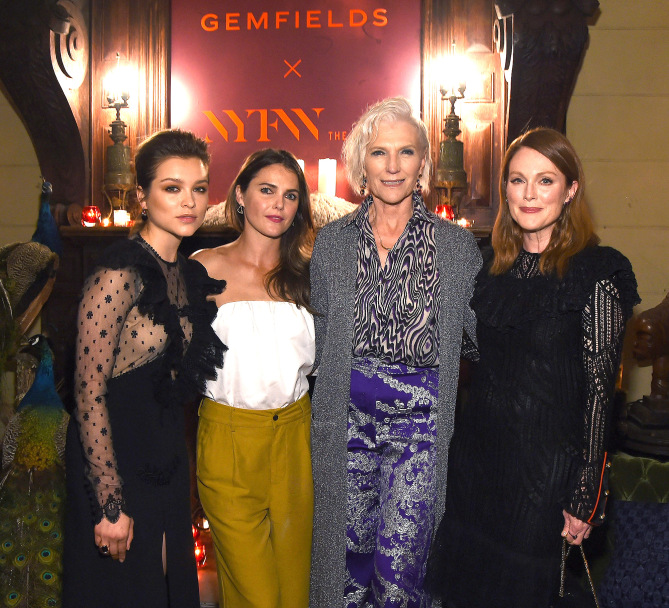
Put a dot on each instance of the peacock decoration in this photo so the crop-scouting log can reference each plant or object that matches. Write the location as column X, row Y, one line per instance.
column 46, row 232
column 32, row 492
column 27, row 274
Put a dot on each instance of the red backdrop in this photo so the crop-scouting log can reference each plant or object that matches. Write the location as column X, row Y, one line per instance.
column 295, row 75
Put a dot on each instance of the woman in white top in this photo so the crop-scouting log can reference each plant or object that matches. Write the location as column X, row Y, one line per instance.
column 253, row 447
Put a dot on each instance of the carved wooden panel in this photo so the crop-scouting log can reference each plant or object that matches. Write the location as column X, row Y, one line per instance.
column 478, row 165
column 483, row 136
column 44, row 63
column 542, row 45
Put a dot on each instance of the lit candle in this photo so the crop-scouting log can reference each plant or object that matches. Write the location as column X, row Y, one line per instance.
column 445, row 212
column 121, row 217
column 200, row 554
column 327, row 176
column 90, row 216
column 105, row 222
column 464, row 222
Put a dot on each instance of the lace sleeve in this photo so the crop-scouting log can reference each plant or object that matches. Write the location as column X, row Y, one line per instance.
column 469, row 350
column 603, row 321
column 108, row 295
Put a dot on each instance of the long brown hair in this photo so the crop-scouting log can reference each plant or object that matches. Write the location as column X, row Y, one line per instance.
column 289, row 279
column 573, row 230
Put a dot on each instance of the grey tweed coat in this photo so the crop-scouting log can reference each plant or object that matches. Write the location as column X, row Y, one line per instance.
column 333, row 278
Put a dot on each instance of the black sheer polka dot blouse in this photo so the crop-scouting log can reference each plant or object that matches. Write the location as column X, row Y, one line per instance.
column 137, row 309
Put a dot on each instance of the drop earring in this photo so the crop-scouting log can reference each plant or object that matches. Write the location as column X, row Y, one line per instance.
column 419, row 188
column 240, row 209
column 363, row 186
column 144, row 215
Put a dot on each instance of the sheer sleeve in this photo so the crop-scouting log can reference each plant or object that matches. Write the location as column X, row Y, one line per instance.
column 108, row 296
column 468, row 349
column 603, row 322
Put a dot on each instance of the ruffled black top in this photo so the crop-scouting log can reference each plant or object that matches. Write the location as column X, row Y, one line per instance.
column 524, row 294
column 137, row 309
column 551, row 348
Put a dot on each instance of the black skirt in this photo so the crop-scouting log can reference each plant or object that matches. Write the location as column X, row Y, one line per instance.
column 152, row 460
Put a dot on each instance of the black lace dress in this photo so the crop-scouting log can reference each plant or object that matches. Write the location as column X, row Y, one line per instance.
column 532, row 439
column 145, row 347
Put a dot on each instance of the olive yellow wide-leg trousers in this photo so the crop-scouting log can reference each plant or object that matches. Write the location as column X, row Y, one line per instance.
column 255, row 484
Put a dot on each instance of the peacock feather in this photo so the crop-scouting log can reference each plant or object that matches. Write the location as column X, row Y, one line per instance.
column 32, row 493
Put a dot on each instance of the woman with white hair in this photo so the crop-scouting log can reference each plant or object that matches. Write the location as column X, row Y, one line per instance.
column 392, row 283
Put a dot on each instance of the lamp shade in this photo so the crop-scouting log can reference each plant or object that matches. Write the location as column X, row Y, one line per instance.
column 116, row 85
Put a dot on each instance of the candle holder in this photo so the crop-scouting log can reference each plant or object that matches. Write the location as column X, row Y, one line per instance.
column 464, row 222
column 200, row 550
column 117, row 199
column 90, row 216
column 445, row 211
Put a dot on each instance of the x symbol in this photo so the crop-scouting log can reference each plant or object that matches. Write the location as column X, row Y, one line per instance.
column 292, row 68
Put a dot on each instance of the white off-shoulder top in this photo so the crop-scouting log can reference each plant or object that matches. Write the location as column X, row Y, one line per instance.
column 270, row 352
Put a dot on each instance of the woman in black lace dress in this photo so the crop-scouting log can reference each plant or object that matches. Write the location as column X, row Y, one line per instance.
column 528, row 454
column 144, row 348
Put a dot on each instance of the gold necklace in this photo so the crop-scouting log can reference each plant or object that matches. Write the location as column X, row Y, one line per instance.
column 384, row 247
column 372, row 223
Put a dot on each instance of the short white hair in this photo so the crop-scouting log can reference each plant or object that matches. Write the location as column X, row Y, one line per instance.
column 365, row 130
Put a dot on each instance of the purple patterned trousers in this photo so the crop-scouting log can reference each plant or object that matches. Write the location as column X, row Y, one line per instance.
column 391, row 484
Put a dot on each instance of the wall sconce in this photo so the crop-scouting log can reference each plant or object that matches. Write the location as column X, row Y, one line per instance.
column 450, row 167
column 119, row 178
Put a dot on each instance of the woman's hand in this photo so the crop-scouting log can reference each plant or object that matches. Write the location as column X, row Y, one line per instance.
column 116, row 537
column 575, row 530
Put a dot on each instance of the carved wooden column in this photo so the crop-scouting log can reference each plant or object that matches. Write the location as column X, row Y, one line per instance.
column 541, row 43
column 44, row 70
column 469, row 24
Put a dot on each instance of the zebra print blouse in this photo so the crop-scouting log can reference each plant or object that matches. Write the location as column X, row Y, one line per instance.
column 397, row 306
